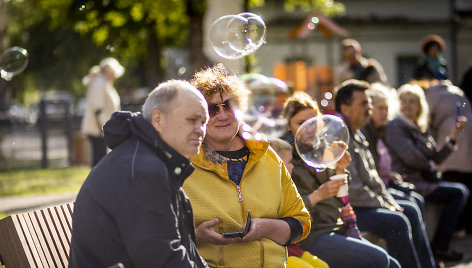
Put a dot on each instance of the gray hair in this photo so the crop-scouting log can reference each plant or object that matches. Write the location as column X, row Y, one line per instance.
column 162, row 96
column 379, row 91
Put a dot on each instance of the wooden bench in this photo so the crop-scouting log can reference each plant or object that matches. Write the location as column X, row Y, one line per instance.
column 39, row 238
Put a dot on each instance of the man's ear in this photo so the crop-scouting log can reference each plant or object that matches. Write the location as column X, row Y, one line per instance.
column 157, row 118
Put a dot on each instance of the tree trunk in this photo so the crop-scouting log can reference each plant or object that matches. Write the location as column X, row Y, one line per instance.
column 154, row 71
column 197, row 59
column 4, row 96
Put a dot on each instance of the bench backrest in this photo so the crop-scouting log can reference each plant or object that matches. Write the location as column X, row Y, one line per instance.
column 39, row 238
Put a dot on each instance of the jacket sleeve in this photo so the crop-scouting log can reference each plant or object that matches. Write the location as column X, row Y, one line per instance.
column 360, row 192
column 293, row 205
column 401, row 143
column 360, row 195
column 148, row 223
column 442, row 153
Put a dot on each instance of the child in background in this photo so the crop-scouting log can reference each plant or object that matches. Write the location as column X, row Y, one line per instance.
column 298, row 258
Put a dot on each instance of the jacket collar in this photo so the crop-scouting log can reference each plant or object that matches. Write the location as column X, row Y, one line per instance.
column 178, row 165
column 211, row 160
column 123, row 125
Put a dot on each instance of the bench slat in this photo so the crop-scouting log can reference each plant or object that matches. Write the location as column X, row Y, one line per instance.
column 29, row 241
column 55, row 234
column 47, row 238
column 38, row 238
column 39, row 241
column 14, row 249
column 62, row 223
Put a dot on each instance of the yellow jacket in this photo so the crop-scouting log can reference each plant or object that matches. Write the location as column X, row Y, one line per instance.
column 266, row 189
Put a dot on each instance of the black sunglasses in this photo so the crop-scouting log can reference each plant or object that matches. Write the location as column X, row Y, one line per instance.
column 214, row 109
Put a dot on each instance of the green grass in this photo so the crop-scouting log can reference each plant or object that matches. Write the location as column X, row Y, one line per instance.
column 41, row 181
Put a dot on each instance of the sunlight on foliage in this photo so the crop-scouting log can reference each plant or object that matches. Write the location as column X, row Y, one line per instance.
column 327, row 7
column 137, row 12
column 117, row 19
column 100, row 34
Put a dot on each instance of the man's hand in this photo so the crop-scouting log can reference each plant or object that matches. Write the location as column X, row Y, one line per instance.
column 343, row 163
column 205, row 233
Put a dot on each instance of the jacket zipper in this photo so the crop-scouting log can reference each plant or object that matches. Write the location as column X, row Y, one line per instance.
column 240, row 197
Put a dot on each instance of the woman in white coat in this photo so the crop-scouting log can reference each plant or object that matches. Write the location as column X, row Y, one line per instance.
column 101, row 102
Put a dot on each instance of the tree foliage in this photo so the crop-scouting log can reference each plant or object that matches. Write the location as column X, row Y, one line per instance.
column 66, row 37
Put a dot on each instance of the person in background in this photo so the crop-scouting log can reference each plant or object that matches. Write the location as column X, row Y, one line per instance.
column 432, row 65
column 384, row 103
column 235, row 175
column 356, row 66
column 415, row 155
column 446, row 104
column 402, row 191
column 102, row 101
column 333, row 238
column 377, row 210
column 298, row 258
column 131, row 209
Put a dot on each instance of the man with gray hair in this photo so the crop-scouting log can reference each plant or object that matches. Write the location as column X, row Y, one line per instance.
column 131, row 208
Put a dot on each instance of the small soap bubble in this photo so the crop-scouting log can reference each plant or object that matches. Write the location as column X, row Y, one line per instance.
column 12, row 62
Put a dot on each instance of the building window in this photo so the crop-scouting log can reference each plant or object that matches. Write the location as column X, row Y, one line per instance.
column 406, row 66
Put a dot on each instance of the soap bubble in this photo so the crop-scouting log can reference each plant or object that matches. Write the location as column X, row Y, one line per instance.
column 224, row 34
column 255, row 32
column 265, row 104
column 235, row 36
column 322, row 140
column 12, row 62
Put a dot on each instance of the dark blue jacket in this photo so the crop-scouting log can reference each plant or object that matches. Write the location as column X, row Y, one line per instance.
column 131, row 208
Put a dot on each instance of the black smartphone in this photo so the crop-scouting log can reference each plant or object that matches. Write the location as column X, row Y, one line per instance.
column 243, row 232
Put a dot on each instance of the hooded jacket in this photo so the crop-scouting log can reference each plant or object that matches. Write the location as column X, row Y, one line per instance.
column 266, row 189
column 326, row 214
column 131, row 208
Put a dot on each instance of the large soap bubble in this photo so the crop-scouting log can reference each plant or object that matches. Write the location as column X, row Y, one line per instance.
column 235, row 36
column 322, row 140
column 12, row 62
column 265, row 104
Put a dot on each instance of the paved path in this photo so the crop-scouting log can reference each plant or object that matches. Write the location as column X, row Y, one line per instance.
column 15, row 204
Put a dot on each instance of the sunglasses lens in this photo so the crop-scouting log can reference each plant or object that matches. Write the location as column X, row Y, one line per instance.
column 227, row 105
column 213, row 109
